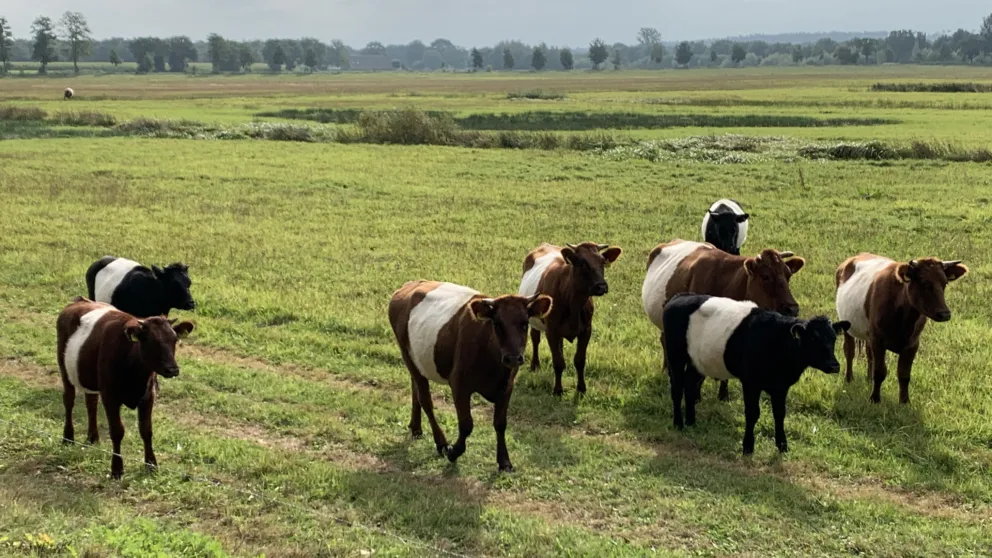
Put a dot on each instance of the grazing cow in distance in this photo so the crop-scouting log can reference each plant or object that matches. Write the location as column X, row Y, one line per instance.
column 888, row 304
column 571, row 276
column 138, row 290
column 725, row 226
column 111, row 355
column 722, row 338
column 67, row 94
column 696, row 267
column 454, row 335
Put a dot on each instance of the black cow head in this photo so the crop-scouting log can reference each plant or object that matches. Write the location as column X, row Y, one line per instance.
column 817, row 338
column 723, row 229
column 176, row 282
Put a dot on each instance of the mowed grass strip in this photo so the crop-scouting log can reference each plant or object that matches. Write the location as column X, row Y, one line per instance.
column 294, row 250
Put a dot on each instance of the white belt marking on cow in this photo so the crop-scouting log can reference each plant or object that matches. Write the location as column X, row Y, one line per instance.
column 108, row 278
column 425, row 323
column 653, row 292
column 853, row 293
column 75, row 345
column 710, row 327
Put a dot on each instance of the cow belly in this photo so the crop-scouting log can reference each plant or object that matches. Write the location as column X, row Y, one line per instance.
column 710, row 327
column 108, row 278
column 426, row 321
column 853, row 294
column 655, row 288
column 74, row 346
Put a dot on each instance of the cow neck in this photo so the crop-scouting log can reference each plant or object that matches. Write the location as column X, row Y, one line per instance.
column 575, row 297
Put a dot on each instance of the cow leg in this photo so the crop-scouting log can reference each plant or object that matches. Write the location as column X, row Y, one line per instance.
column 92, row 403
column 692, row 385
column 752, row 412
column 849, row 356
column 724, row 393
column 903, row 371
column 778, row 412
column 416, row 413
column 557, row 360
column 870, row 359
column 68, row 400
column 499, row 424
column 535, row 341
column 463, row 407
column 424, row 397
column 878, row 371
column 113, row 411
column 580, row 358
column 145, row 428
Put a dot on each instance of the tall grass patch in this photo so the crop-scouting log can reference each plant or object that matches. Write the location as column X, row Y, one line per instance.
column 935, row 87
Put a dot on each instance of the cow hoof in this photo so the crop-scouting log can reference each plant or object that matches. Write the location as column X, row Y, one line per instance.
column 443, row 449
column 506, row 468
column 783, row 448
column 151, row 467
column 557, row 392
column 875, row 399
column 116, row 475
column 416, row 434
column 679, row 426
column 67, row 441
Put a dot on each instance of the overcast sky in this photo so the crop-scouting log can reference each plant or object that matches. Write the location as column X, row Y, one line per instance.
column 475, row 22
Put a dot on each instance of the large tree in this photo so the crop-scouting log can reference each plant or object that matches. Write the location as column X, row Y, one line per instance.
column 538, row 59
column 567, row 60
column 182, row 51
column 78, row 37
column 598, row 52
column 374, row 47
column 476, row 59
column 6, row 45
column 6, row 42
column 738, row 53
column 648, row 37
column 43, row 50
column 310, row 60
column 246, row 57
column 114, row 58
column 219, row 51
column 986, row 33
column 507, row 59
column 683, row 53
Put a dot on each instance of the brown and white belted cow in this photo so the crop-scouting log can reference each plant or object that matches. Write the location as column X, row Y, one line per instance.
column 698, row 267
column 571, row 276
column 454, row 335
column 110, row 355
column 888, row 304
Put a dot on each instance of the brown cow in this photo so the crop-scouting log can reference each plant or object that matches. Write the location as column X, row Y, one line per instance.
column 108, row 354
column 888, row 304
column 571, row 276
column 698, row 267
column 453, row 335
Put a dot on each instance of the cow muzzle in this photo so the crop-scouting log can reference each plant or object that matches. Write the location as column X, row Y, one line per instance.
column 169, row 372
column 942, row 316
column 600, row 289
column 791, row 310
column 189, row 305
column 513, row 361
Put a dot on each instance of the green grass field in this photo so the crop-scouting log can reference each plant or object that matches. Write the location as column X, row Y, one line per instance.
column 285, row 434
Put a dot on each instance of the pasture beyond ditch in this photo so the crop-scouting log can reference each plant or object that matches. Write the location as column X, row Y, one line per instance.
column 285, row 434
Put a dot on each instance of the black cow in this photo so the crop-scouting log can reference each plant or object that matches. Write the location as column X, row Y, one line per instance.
column 725, row 226
column 137, row 290
column 720, row 338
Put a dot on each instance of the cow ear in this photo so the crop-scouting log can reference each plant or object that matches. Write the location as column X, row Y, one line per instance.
column 904, row 273
column 955, row 272
column 482, row 309
column 540, row 307
column 749, row 266
column 743, row 217
column 183, row 329
column 612, row 254
column 797, row 330
column 158, row 271
column 568, row 254
column 841, row 326
column 134, row 330
column 795, row 264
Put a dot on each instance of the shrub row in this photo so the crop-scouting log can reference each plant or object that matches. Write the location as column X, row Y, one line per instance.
column 934, row 87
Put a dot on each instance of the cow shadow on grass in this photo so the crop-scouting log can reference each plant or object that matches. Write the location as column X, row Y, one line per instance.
column 897, row 429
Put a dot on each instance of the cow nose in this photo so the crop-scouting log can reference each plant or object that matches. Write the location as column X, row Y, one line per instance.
column 513, row 360
column 791, row 310
column 834, row 368
column 601, row 289
column 171, row 371
column 942, row 316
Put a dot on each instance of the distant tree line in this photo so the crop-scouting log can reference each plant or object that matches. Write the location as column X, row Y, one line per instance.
column 70, row 39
